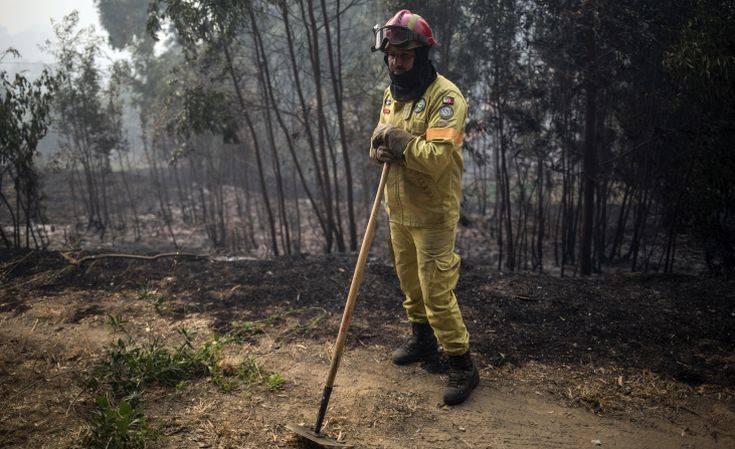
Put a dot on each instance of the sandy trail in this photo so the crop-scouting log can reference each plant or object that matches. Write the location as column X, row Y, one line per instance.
column 379, row 405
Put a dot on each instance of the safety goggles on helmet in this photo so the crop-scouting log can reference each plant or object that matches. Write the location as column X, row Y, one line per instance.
column 397, row 36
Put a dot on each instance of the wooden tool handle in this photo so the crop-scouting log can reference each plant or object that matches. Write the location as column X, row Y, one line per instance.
column 357, row 278
column 352, row 297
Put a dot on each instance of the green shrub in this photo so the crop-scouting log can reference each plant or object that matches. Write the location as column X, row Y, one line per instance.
column 145, row 293
column 116, row 426
column 127, row 368
column 275, row 381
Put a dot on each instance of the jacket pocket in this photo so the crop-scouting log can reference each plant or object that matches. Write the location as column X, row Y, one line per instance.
column 420, row 187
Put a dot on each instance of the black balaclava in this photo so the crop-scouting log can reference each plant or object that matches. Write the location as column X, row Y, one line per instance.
column 410, row 85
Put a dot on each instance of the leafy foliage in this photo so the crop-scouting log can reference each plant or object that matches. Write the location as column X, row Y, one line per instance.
column 145, row 293
column 117, row 426
column 24, row 120
column 128, row 368
column 88, row 116
column 125, row 22
column 275, row 381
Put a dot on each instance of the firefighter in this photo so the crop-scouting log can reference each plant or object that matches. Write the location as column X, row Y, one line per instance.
column 420, row 134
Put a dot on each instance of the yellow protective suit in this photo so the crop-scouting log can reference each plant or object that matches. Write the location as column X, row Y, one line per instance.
column 422, row 199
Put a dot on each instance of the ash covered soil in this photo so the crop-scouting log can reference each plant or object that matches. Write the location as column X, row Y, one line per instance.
column 624, row 360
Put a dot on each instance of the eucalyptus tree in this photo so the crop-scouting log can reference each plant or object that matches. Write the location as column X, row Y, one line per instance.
column 24, row 119
column 87, row 134
column 698, row 182
column 211, row 27
column 601, row 128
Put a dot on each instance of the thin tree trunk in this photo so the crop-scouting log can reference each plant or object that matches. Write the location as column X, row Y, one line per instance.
column 336, row 83
column 337, row 195
column 620, row 228
column 279, row 118
column 313, row 31
column 159, row 194
column 540, row 213
column 590, row 154
column 261, row 64
column 499, row 207
column 131, row 200
column 320, row 177
column 510, row 259
column 256, row 145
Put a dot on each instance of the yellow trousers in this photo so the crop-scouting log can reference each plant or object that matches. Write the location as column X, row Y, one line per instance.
column 428, row 270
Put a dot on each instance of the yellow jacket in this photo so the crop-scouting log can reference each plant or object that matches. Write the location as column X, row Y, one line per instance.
column 426, row 191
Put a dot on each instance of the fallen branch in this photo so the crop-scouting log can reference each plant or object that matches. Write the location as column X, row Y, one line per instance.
column 80, row 261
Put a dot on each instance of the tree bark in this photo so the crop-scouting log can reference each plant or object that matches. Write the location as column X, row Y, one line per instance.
column 336, row 83
column 590, row 153
column 256, row 145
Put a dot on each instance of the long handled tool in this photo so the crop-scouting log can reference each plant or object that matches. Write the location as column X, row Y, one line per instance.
column 314, row 435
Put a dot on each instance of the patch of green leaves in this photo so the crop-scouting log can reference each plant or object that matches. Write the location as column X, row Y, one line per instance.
column 248, row 371
column 241, row 331
column 147, row 294
column 275, row 381
column 117, row 322
column 116, row 425
column 144, row 292
column 127, row 368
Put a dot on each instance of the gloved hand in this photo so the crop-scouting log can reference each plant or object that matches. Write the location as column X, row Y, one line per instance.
column 374, row 155
column 384, row 155
column 379, row 135
column 388, row 143
column 395, row 141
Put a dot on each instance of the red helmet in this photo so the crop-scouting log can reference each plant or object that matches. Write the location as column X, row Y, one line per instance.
column 404, row 30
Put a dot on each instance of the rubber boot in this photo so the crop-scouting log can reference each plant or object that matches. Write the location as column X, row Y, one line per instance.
column 421, row 347
column 463, row 378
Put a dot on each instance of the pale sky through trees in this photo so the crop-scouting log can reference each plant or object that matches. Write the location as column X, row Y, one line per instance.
column 26, row 24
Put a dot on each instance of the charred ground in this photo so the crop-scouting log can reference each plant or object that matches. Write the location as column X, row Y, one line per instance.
column 618, row 346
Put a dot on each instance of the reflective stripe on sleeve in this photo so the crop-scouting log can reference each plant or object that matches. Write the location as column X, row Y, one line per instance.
column 445, row 133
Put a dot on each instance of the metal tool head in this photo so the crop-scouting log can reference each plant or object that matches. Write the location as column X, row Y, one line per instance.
column 318, row 439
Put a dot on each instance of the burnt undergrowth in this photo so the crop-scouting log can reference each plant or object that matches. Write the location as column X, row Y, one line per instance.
column 678, row 326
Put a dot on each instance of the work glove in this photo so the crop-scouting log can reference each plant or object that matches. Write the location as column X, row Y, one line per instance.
column 379, row 135
column 374, row 155
column 383, row 155
column 395, row 141
column 389, row 143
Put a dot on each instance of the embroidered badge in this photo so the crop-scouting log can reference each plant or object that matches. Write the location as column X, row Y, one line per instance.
column 420, row 106
column 386, row 110
column 446, row 112
column 448, row 100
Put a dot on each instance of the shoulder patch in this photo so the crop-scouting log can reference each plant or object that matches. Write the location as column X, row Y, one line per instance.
column 446, row 112
column 420, row 106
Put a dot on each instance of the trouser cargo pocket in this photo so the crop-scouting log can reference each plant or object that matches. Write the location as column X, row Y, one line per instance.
column 445, row 275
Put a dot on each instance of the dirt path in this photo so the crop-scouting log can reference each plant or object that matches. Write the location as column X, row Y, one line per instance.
column 378, row 405
column 54, row 325
column 382, row 406
column 375, row 405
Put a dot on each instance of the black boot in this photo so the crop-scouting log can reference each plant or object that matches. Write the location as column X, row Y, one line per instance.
column 421, row 346
column 463, row 378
